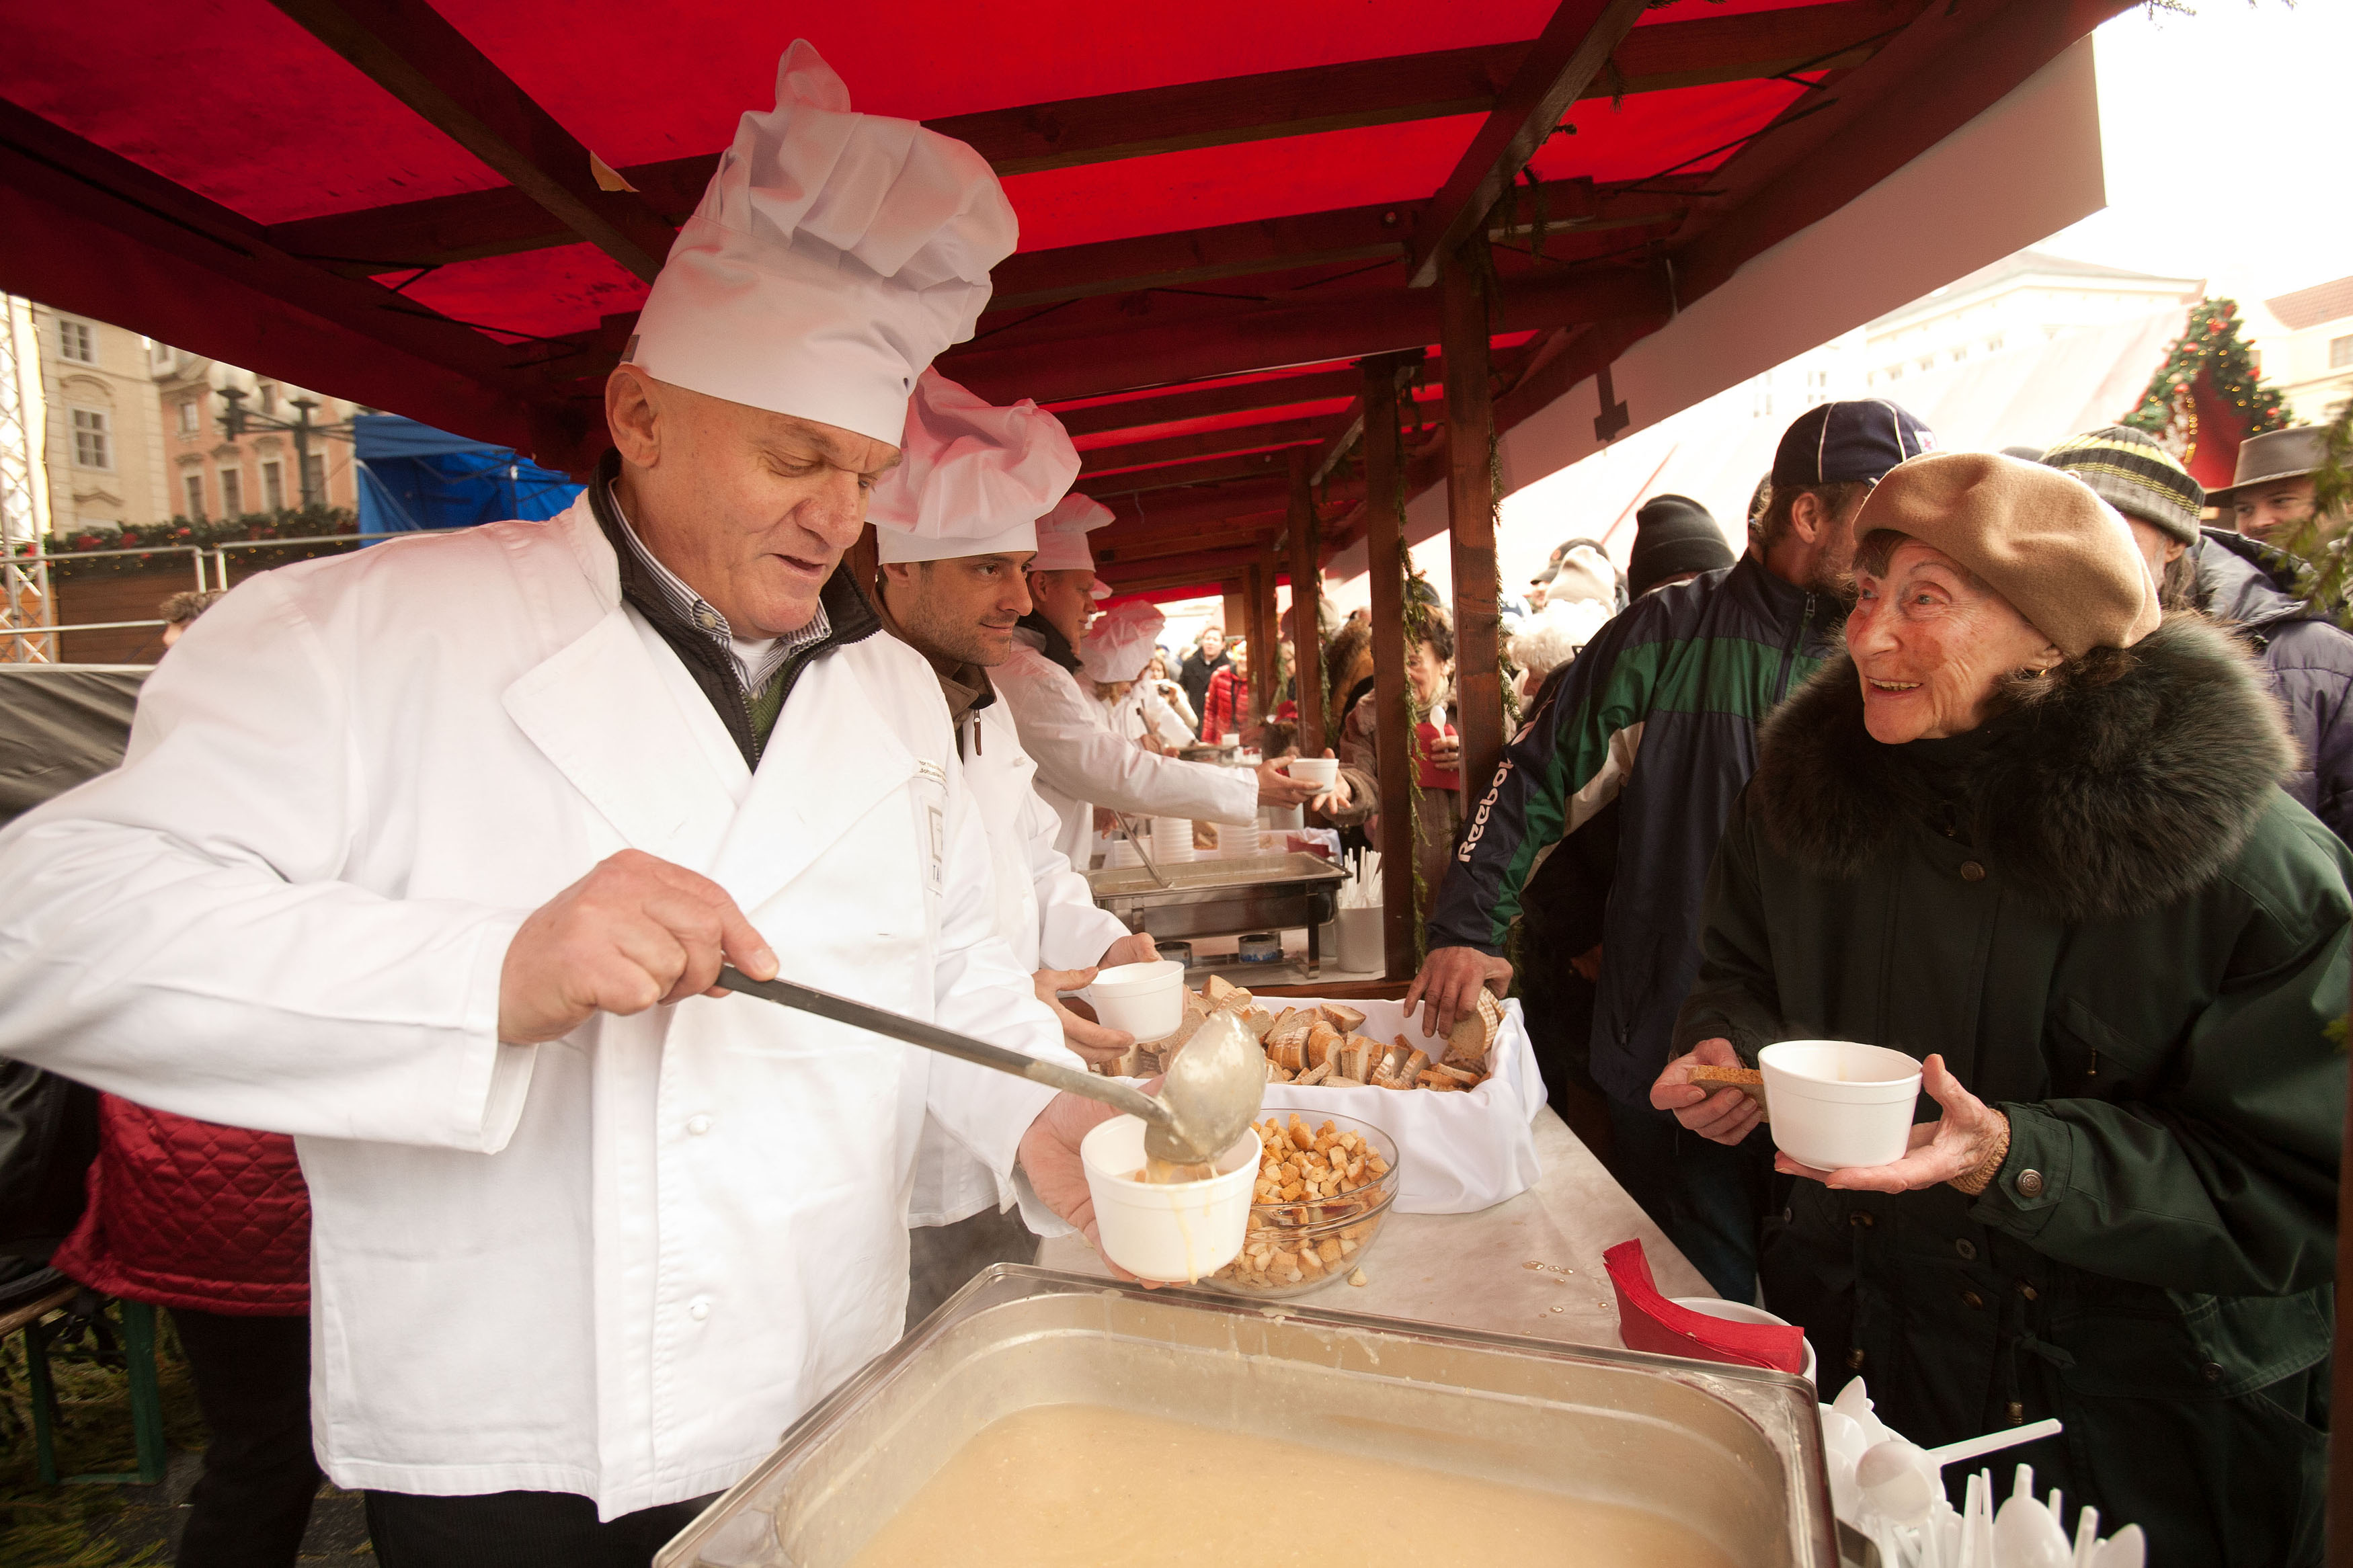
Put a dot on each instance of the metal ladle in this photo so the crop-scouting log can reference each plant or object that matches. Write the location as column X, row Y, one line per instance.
column 1209, row 1096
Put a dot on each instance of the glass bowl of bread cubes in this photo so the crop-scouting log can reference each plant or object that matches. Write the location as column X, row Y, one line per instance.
column 1326, row 1184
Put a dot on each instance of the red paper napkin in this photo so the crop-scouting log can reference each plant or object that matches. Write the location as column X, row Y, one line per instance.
column 1649, row 1321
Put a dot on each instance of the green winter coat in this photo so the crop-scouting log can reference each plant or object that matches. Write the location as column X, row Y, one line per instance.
column 2113, row 925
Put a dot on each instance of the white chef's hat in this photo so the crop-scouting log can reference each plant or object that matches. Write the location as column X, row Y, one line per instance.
column 833, row 256
column 972, row 479
column 1062, row 534
column 1119, row 645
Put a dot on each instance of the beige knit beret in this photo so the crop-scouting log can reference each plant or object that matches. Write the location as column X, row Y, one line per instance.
column 2062, row 556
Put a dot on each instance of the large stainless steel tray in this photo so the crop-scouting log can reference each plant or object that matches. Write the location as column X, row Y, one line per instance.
column 1223, row 897
column 1732, row 1453
column 1203, row 882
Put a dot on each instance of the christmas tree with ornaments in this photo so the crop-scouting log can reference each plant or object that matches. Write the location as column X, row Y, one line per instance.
column 2210, row 395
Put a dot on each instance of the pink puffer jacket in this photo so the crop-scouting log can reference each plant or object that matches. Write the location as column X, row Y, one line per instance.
column 185, row 1214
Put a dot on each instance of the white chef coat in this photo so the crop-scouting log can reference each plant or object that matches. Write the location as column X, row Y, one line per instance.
column 1082, row 763
column 617, row 1264
column 1045, row 912
column 1141, row 708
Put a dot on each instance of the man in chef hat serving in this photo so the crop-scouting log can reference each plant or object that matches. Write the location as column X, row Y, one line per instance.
column 430, row 854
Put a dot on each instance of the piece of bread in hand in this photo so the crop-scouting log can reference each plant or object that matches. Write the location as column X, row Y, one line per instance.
column 1469, row 1043
column 1748, row 1081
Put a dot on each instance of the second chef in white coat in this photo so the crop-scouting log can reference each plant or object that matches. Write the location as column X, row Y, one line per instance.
column 955, row 525
column 1083, row 762
column 426, row 855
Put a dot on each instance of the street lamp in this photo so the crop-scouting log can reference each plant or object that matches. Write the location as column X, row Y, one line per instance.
column 237, row 421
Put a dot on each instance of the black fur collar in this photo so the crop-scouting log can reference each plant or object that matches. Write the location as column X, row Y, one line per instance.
column 2122, row 790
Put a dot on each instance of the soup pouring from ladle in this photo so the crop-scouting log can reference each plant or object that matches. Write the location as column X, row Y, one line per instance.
column 1208, row 1100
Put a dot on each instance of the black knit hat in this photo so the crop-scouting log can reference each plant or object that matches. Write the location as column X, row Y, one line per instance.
column 2126, row 469
column 1672, row 535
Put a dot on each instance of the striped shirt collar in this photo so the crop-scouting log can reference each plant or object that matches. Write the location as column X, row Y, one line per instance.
column 756, row 663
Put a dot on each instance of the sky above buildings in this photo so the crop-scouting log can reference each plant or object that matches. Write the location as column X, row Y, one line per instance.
column 2224, row 131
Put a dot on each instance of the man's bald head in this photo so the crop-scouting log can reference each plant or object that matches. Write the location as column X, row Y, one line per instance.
column 751, row 509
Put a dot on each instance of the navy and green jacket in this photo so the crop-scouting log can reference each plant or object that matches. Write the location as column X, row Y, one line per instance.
column 1658, row 714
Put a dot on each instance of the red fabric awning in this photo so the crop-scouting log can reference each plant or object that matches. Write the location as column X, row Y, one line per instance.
column 1195, row 223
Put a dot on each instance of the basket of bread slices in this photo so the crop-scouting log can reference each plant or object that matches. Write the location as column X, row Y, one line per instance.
column 1459, row 1105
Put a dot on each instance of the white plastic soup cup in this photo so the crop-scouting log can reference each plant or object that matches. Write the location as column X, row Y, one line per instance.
column 1178, row 1232
column 1147, row 1000
column 1834, row 1104
column 1320, row 771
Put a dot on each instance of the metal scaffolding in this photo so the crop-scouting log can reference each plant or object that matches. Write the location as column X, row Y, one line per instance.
column 25, row 606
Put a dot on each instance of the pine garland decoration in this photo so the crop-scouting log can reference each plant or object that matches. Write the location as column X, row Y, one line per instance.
column 179, row 535
column 2212, row 343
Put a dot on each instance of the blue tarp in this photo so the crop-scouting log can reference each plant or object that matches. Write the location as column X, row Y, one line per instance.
column 413, row 477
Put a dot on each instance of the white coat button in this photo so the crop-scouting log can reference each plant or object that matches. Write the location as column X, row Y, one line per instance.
column 697, row 1125
column 700, row 1309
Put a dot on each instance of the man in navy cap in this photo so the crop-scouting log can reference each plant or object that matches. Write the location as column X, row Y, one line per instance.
column 1659, row 717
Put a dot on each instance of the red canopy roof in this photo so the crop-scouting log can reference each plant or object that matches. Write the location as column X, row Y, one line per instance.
column 1223, row 205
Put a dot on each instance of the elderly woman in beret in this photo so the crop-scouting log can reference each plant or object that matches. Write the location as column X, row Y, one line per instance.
column 2029, row 831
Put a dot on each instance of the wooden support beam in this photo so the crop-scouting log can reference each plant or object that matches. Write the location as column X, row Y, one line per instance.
column 1265, row 652
column 1219, row 443
column 1393, row 726
column 1024, row 282
column 1203, row 402
column 1184, row 475
column 1305, row 545
column 476, row 224
column 123, row 243
column 1471, row 521
column 1203, row 573
column 1571, row 51
column 1262, row 337
column 407, row 47
column 1140, row 544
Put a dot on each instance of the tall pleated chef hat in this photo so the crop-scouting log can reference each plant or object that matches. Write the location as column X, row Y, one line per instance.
column 1119, row 645
column 972, row 479
column 834, row 254
column 1062, row 537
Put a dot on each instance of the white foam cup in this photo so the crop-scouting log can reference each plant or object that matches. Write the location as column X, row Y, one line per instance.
column 1741, row 1312
column 1322, row 772
column 1147, row 1000
column 1834, row 1103
column 1171, row 1233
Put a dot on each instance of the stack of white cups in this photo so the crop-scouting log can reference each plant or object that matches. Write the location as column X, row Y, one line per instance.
column 1172, row 840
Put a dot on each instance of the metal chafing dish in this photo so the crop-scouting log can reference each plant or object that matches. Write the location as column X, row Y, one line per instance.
column 1220, row 897
column 1732, row 1453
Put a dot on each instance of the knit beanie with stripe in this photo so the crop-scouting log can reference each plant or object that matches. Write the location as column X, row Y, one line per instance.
column 2126, row 469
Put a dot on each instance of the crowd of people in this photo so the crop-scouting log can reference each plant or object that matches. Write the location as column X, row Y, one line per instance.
column 2019, row 765
column 2015, row 764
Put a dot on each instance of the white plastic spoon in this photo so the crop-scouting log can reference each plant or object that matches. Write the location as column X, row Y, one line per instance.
column 2128, row 1547
column 1898, row 1481
column 2087, row 1536
column 2026, row 1536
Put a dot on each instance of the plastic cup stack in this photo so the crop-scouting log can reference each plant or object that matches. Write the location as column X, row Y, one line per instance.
column 1172, row 840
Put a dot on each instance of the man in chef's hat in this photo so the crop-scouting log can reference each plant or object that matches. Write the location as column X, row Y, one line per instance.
column 956, row 527
column 1082, row 761
column 428, row 856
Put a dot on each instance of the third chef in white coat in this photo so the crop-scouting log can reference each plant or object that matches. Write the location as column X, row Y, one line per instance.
column 955, row 526
column 427, row 855
column 1082, row 761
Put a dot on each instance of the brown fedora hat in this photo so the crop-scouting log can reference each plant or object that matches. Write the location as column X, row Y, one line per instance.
column 2280, row 455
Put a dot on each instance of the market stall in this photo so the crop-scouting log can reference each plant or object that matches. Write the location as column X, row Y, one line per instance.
column 1230, row 288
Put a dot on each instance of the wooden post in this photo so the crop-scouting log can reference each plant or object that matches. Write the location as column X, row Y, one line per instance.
column 1471, row 521
column 1235, row 593
column 1307, row 601
column 1267, row 693
column 1385, row 562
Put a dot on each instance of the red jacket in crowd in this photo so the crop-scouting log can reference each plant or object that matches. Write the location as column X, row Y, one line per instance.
column 185, row 1213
